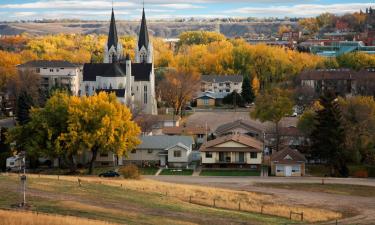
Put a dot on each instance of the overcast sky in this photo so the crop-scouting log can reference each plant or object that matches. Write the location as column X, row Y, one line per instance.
column 131, row 9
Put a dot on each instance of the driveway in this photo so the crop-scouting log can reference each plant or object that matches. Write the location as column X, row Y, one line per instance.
column 361, row 210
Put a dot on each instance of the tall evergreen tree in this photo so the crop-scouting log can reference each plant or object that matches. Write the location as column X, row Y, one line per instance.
column 24, row 104
column 247, row 90
column 328, row 135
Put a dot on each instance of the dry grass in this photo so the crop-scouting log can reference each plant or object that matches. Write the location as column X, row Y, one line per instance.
column 224, row 198
column 29, row 218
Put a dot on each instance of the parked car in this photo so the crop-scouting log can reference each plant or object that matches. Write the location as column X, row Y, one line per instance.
column 109, row 174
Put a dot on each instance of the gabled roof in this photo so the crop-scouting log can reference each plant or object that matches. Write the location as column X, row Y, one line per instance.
column 190, row 130
column 212, row 95
column 237, row 124
column 112, row 35
column 140, row 71
column 283, row 156
column 143, row 38
column 48, row 63
column 164, row 141
column 221, row 78
column 252, row 144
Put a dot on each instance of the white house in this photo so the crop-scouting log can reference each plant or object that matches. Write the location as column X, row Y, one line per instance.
column 171, row 151
column 221, row 83
column 132, row 82
column 56, row 73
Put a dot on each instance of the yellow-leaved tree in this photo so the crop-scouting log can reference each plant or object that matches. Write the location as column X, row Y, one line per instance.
column 100, row 124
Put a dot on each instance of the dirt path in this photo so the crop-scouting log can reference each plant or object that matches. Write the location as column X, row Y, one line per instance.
column 361, row 210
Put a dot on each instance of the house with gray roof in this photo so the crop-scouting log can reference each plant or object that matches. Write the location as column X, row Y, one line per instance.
column 162, row 150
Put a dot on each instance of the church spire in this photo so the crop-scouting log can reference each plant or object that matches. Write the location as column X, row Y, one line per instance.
column 112, row 35
column 143, row 39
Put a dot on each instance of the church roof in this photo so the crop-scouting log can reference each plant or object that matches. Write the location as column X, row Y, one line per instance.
column 112, row 35
column 143, row 38
column 140, row 71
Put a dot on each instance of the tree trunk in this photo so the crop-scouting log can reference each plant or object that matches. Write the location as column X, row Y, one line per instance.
column 277, row 136
column 93, row 158
column 72, row 164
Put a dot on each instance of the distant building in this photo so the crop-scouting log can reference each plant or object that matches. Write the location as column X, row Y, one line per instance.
column 342, row 81
column 56, row 73
column 288, row 163
column 221, row 83
column 209, row 99
column 245, row 127
column 342, row 47
column 199, row 133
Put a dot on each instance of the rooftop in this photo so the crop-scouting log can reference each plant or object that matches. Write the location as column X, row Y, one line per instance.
column 221, row 78
column 49, row 63
column 250, row 142
column 164, row 141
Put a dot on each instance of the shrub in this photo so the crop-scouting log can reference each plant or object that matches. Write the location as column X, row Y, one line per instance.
column 361, row 174
column 371, row 171
column 130, row 172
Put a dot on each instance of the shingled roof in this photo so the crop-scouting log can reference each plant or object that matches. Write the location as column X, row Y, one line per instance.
column 221, row 78
column 236, row 124
column 190, row 130
column 288, row 155
column 49, row 63
column 164, row 141
column 252, row 144
column 140, row 71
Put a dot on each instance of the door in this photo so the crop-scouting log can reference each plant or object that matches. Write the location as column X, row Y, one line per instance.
column 241, row 157
column 288, row 171
column 162, row 160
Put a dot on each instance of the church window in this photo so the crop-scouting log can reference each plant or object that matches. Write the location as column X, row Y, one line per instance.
column 50, row 70
column 145, row 95
column 87, row 88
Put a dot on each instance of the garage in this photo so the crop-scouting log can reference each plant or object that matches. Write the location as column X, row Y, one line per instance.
column 288, row 163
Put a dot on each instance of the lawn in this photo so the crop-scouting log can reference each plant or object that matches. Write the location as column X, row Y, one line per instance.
column 178, row 172
column 148, row 170
column 230, row 173
column 342, row 189
column 119, row 204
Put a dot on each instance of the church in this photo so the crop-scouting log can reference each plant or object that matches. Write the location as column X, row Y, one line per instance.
column 133, row 82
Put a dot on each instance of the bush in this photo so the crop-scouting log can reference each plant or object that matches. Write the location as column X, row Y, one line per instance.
column 130, row 172
column 371, row 171
column 361, row 174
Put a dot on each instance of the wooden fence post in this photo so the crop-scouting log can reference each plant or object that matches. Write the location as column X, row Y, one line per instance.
column 190, row 199
column 214, row 202
column 239, row 206
column 290, row 215
column 301, row 216
column 261, row 210
column 79, row 182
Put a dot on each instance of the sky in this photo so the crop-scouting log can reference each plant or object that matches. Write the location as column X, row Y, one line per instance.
column 11, row 10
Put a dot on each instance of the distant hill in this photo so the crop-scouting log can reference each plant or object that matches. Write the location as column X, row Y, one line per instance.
column 160, row 29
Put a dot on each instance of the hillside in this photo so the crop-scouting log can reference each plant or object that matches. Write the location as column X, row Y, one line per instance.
column 160, row 29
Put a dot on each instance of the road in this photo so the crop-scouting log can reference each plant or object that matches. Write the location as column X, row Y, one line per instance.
column 360, row 209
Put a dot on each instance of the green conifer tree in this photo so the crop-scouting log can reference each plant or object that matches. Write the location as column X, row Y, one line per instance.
column 247, row 90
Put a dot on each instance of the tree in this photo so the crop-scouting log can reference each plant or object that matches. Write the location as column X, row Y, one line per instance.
column 234, row 99
column 100, row 124
column 247, row 90
column 24, row 104
column 5, row 150
column 272, row 106
column 179, row 85
column 328, row 136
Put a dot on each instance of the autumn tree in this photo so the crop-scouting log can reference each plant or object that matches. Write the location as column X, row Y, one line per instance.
column 100, row 124
column 309, row 24
column 179, row 85
column 328, row 135
column 273, row 105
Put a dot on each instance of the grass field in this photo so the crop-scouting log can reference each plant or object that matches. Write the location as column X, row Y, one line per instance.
column 126, row 201
column 229, row 173
column 182, row 172
column 343, row 189
column 31, row 218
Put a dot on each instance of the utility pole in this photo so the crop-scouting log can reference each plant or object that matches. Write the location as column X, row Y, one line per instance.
column 23, row 179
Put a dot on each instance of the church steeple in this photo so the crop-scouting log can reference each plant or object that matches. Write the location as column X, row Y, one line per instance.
column 143, row 39
column 112, row 35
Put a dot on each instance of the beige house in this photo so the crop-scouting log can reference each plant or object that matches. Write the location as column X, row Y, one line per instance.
column 232, row 151
column 162, row 150
column 288, row 163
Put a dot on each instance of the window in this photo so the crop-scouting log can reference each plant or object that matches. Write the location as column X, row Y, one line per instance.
column 235, row 83
column 57, row 70
column 228, row 90
column 253, row 155
column 221, row 84
column 145, row 94
column 296, row 169
column 11, row 163
column 133, row 151
column 200, row 135
column 208, row 154
column 241, row 157
column 205, row 101
column 279, row 169
column 103, row 154
column 177, row 153
column 105, row 163
column 149, row 151
column 50, row 70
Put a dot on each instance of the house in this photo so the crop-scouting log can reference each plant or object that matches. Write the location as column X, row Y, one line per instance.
column 221, row 83
column 162, row 150
column 232, row 151
column 55, row 73
column 132, row 82
column 342, row 81
column 199, row 133
column 208, row 99
column 245, row 127
column 288, row 163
